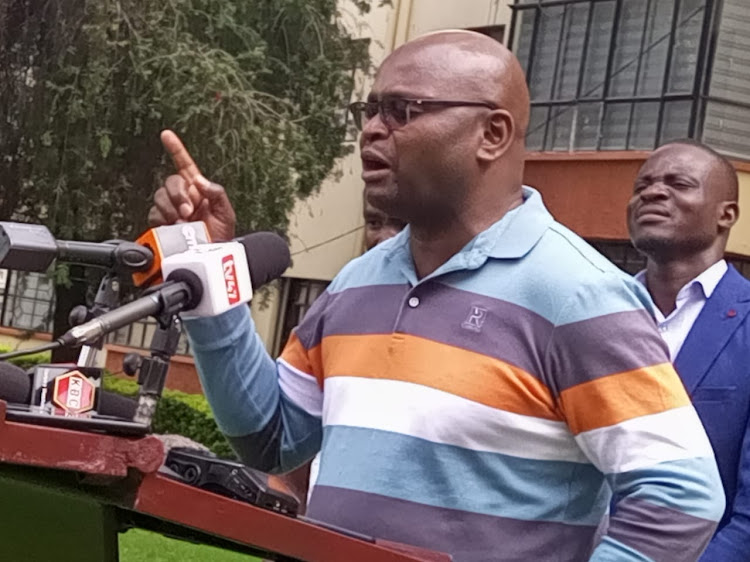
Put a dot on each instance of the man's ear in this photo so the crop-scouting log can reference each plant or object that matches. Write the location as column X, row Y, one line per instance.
column 729, row 213
column 497, row 136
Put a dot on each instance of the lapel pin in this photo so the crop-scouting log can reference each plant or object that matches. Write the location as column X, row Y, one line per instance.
column 732, row 313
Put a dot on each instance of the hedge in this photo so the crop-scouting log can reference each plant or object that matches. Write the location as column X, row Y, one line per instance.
column 27, row 361
column 178, row 412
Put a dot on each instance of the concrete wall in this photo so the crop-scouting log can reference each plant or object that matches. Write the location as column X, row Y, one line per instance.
column 739, row 239
column 589, row 192
column 422, row 16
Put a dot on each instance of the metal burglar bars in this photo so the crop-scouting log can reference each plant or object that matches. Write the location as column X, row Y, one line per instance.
column 27, row 302
column 613, row 74
column 626, row 257
column 725, row 113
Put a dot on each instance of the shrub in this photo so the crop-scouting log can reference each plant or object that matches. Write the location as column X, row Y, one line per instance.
column 27, row 361
column 180, row 413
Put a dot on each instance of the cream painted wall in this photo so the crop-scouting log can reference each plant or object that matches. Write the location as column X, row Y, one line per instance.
column 326, row 229
column 265, row 312
column 739, row 239
column 431, row 15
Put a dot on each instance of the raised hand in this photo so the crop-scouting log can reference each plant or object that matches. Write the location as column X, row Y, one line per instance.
column 189, row 196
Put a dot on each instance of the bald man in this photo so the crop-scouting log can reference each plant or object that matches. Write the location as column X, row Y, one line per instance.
column 683, row 207
column 480, row 382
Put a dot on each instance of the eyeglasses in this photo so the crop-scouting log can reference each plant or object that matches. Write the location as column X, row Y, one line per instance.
column 396, row 112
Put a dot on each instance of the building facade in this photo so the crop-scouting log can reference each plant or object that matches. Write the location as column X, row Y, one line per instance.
column 610, row 80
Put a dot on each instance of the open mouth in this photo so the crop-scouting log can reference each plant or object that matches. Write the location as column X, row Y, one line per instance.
column 372, row 162
column 374, row 166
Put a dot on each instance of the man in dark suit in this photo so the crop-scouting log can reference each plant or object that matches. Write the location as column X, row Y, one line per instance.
column 684, row 203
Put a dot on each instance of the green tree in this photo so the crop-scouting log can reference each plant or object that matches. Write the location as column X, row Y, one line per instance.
column 255, row 88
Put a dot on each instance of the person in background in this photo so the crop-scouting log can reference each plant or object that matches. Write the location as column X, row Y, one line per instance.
column 684, row 203
column 478, row 383
column 379, row 227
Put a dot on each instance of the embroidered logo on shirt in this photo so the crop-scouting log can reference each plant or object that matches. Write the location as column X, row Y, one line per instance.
column 475, row 320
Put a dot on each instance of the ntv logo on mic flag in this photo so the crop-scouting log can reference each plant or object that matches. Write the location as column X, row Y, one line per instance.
column 230, row 279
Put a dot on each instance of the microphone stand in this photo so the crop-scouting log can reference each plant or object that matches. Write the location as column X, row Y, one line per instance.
column 152, row 370
column 128, row 259
column 107, row 298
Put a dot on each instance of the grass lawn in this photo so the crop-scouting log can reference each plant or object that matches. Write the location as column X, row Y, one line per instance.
column 137, row 545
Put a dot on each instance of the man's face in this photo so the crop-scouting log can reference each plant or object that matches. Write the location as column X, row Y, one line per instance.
column 379, row 226
column 675, row 206
column 418, row 168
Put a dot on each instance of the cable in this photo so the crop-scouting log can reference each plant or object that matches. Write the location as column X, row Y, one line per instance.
column 324, row 242
column 21, row 352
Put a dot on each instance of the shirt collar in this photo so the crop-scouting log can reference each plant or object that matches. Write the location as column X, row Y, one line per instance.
column 707, row 281
column 511, row 237
column 517, row 232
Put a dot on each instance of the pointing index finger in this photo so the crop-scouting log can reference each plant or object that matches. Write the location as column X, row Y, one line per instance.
column 184, row 163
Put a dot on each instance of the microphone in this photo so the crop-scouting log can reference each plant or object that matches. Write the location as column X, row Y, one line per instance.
column 267, row 255
column 205, row 281
column 31, row 247
column 165, row 241
column 15, row 384
column 16, row 388
column 173, row 296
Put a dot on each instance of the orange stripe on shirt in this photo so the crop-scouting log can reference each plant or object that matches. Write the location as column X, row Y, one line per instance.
column 451, row 369
column 305, row 360
column 615, row 398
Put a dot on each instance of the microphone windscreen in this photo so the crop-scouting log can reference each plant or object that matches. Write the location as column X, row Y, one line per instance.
column 116, row 405
column 15, row 384
column 267, row 255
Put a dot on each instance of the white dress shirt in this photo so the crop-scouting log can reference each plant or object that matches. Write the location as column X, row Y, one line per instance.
column 692, row 297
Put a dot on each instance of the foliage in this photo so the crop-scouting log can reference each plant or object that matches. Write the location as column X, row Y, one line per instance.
column 27, row 361
column 180, row 413
column 255, row 87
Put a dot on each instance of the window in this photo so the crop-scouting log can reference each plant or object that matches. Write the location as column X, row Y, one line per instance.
column 742, row 264
column 621, row 253
column 139, row 335
column 27, row 301
column 626, row 257
column 496, row 32
column 297, row 296
column 611, row 74
column 726, row 125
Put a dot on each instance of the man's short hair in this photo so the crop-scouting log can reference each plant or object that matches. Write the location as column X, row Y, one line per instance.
column 726, row 168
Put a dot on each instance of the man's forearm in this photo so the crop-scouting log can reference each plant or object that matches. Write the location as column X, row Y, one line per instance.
column 240, row 381
column 667, row 512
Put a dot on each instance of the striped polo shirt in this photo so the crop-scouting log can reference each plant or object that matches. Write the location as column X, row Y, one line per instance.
column 487, row 410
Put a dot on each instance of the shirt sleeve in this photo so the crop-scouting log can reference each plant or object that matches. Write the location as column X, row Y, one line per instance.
column 732, row 542
column 631, row 416
column 269, row 410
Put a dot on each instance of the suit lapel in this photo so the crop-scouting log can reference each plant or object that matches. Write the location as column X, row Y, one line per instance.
column 720, row 317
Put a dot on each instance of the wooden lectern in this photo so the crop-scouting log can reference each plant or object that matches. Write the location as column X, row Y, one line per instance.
column 65, row 495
